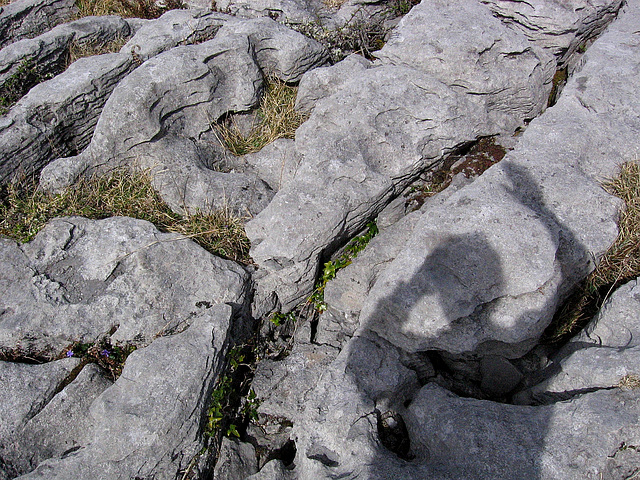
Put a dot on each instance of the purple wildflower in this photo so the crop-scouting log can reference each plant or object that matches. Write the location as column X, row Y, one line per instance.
column 69, row 353
column 105, row 353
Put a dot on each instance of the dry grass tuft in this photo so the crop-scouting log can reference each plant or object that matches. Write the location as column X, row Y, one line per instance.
column 277, row 119
column 4, row 2
column 629, row 382
column 618, row 265
column 126, row 8
column 25, row 210
column 87, row 50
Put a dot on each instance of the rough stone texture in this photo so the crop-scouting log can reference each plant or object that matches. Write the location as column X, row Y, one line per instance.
column 48, row 53
column 276, row 164
column 79, row 280
column 353, row 159
column 57, row 117
column 292, row 11
column 236, row 460
column 490, row 59
column 280, row 51
column 599, row 357
column 159, row 118
column 61, row 427
column 468, row 303
column 354, row 156
column 579, row 439
column 171, row 134
column 28, row 18
column 560, row 27
column 25, row 391
column 323, row 82
column 345, row 294
column 148, row 424
column 175, row 27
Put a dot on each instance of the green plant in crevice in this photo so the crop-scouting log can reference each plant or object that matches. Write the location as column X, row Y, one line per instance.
column 279, row 318
column 110, row 357
column 332, row 267
column 233, row 403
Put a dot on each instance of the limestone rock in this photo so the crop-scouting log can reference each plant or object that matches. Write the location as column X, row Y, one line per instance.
column 48, row 53
column 236, row 460
column 57, row 117
column 61, row 427
column 80, row 280
column 172, row 134
column 175, row 27
column 25, row 392
column 29, row 18
column 373, row 129
column 604, row 355
column 280, row 51
column 354, row 159
column 560, row 27
column 483, row 293
column 491, row 60
column 148, row 424
column 494, row 440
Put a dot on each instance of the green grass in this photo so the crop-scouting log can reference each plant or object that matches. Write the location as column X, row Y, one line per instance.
column 276, row 118
column 618, row 265
column 25, row 210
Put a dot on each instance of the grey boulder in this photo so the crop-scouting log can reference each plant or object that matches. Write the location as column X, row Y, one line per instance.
column 148, row 423
column 48, row 54
column 491, row 60
column 29, row 18
column 604, row 355
column 560, row 27
column 480, row 301
column 57, row 117
column 61, row 427
column 81, row 281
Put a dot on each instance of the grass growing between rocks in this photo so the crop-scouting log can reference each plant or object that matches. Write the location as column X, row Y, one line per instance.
column 4, row 2
column 87, row 50
column 126, row 8
column 277, row 118
column 25, row 210
column 618, row 265
column 19, row 83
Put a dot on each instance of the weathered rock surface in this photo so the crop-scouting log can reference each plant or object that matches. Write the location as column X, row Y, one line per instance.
column 560, row 27
column 491, row 60
column 355, row 159
column 603, row 356
column 48, row 54
column 26, row 391
column 172, row 134
column 280, row 51
column 528, row 238
column 57, row 117
column 28, row 18
column 175, row 27
column 478, row 439
column 81, row 280
column 61, row 427
column 236, row 460
column 533, row 190
column 149, row 422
